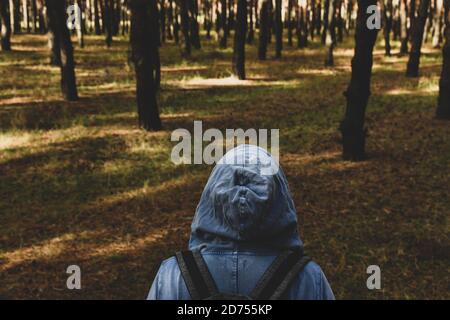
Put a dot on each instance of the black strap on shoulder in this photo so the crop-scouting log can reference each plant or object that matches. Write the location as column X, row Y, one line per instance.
column 280, row 274
column 196, row 274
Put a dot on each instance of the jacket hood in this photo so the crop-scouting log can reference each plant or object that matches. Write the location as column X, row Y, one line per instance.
column 246, row 204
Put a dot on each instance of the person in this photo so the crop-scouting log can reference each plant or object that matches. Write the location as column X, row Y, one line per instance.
column 245, row 221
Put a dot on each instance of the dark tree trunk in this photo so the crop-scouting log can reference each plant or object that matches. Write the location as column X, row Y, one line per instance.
column 5, row 26
column 193, row 24
column 326, row 21
column 302, row 36
column 417, row 39
column 278, row 30
column 14, row 6
column 56, row 16
column 239, row 39
column 108, row 21
column 207, row 12
column 443, row 109
column 223, row 34
column 289, row 23
column 332, row 30
column 186, row 51
column 144, row 40
column 387, row 18
column 33, row 16
column 263, row 30
column 251, row 31
column 97, row 28
column 358, row 91
column 313, row 18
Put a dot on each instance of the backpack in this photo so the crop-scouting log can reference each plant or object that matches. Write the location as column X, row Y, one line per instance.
column 273, row 284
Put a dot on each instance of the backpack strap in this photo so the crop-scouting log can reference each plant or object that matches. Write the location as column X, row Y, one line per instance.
column 279, row 275
column 196, row 274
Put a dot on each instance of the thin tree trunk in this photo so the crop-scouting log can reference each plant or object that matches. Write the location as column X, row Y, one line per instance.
column 144, row 40
column 437, row 24
column 56, row 11
column 403, row 26
column 193, row 24
column 162, row 19
column 263, row 30
column 223, row 35
column 97, row 27
column 443, row 109
column 289, row 23
column 332, row 33
column 387, row 18
column 108, row 21
column 5, row 26
column 358, row 91
column 278, row 30
column 417, row 39
column 251, row 31
column 239, row 39
column 185, row 28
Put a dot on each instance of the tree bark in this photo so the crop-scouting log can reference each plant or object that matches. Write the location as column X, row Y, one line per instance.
column 239, row 39
column 278, row 30
column 263, row 30
column 387, row 18
column 194, row 28
column 417, row 39
column 223, row 34
column 186, row 52
column 144, row 41
column 251, row 31
column 5, row 26
column 443, row 109
column 108, row 21
column 97, row 28
column 358, row 91
column 403, row 26
column 56, row 16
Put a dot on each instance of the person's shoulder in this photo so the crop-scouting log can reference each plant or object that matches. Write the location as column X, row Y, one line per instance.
column 169, row 266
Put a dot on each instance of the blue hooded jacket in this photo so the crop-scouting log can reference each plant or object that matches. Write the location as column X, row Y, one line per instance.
column 245, row 218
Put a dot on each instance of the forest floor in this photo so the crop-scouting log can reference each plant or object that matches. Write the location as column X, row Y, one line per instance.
column 81, row 184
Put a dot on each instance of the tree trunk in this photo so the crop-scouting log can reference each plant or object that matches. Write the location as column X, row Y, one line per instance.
column 443, row 109
column 289, row 23
column 240, row 32
column 404, row 26
column 332, row 33
column 56, row 16
column 263, row 30
column 326, row 21
column 251, row 31
column 417, row 39
column 33, row 16
column 387, row 18
column 5, row 26
column 144, row 41
column 97, row 28
column 108, row 21
column 358, row 91
column 278, row 30
column 223, row 35
column 193, row 24
column 185, row 28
